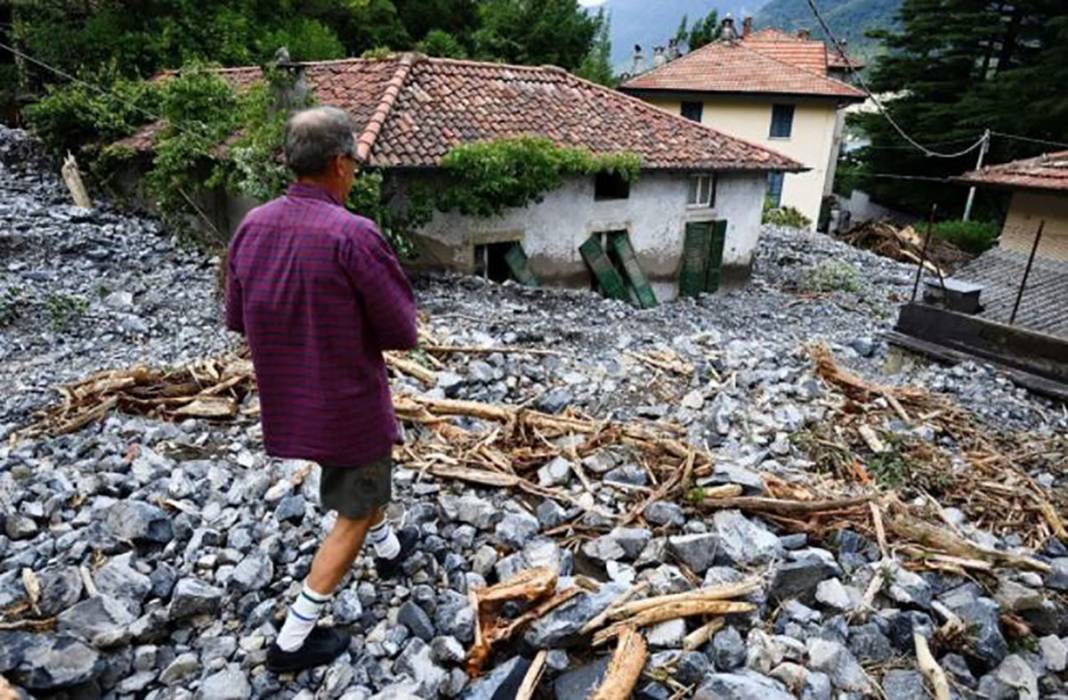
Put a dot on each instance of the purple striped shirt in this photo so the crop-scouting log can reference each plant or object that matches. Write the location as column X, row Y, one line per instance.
column 319, row 295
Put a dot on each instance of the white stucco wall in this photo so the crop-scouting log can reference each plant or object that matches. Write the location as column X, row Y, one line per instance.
column 655, row 215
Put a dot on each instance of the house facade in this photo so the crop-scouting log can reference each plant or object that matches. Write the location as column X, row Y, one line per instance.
column 771, row 89
column 412, row 110
column 1039, row 188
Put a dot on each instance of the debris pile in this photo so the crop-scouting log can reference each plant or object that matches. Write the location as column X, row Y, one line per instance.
column 906, row 244
column 685, row 501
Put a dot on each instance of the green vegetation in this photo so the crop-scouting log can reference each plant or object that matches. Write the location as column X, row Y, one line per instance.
column 971, row 236
column 703, row 31
column 486, row 178
column 960, row 67
column 831, row 276
column 597, row 65
column 784, row 216
column 63, row 309
column 849, row 19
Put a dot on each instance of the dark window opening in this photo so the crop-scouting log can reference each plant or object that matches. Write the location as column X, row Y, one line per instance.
column 610, row 186
column 774, row 195
column 491, row 263
column 693, row 110
column 782, row 121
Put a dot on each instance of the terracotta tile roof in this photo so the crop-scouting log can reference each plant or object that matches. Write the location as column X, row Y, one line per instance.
column 411, row 110
column 751, row 66
column 810, row 54
column 1046, row 172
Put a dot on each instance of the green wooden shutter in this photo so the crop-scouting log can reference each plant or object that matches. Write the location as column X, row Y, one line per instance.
column 611, row 283
column 639, row 283
column 715, row 255
column 695, row 250
column 516, row 259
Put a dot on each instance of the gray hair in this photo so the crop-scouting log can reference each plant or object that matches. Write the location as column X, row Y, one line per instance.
column 314, row 136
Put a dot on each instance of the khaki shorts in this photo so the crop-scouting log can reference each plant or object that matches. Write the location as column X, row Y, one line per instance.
column 356, row 492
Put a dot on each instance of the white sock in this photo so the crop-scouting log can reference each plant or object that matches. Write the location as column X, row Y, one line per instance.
column 301, row 619
column 384, row 540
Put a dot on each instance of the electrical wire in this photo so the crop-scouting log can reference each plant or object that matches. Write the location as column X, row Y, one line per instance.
column 878, row 104
column 1002, row 134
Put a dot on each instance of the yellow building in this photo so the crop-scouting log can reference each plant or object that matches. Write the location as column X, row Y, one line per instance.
column 769, row 88
column 1039, row 194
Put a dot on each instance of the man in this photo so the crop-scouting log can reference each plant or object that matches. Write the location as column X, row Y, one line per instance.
column 319, row 295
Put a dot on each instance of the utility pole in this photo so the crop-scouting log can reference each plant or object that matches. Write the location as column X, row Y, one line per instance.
column 979, row 164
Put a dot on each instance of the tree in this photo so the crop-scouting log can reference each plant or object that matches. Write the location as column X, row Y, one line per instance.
column 704, row 31
column 441, row 43
column 959, row 67
column 597, row 66
column 534, row 32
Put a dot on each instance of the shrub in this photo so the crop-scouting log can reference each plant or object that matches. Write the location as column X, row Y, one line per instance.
column 830, row 276
column 784, row 216
column 63, row 309
column 971, row 236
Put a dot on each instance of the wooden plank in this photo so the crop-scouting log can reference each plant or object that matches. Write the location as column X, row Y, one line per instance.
column 715, row 255
column 519, row 265
column 695, row 248
column 608, row 277
column 643, row 293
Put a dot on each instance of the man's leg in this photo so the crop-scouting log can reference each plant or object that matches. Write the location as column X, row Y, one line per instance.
column 333, row 560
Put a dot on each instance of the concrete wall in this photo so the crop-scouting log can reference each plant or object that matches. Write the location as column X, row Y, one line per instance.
column 812, row 140
column 1026, row 211
column 655, row 214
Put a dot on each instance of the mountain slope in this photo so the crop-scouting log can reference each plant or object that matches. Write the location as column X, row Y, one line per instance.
column 848, row 19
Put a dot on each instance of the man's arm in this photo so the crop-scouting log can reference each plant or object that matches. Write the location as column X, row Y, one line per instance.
column 387, row 297
column 235, row 318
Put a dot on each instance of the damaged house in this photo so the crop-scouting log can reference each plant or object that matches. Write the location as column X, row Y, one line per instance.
column 690, row 220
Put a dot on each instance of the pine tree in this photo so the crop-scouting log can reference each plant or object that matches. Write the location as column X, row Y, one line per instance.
column 597, row 66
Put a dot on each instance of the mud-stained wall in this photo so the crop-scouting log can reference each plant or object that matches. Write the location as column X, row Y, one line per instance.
column 655, row 215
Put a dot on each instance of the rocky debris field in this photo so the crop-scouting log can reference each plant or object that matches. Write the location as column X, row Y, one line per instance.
column 151, row 558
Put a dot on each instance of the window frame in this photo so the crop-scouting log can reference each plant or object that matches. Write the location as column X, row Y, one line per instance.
column 711, row 199
column 778, row 109
column 777, row 202
column 692, row 103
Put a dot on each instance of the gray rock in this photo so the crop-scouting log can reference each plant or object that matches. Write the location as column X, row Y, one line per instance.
column 1057, row 579
column 667, row 634
column 630, row 474
column 632, row 539
column 138, row 521
column 136, row 683
column 347, row 607
column 1013, row 679
column 447, row 650
column 817, row 687
column 904, row 685
column 100, row 619
column 181, row 668
column 500, row 683
column 728, row 649
column 469, row 509
column 555, row 400
column 740, row 686
column 290, row 509
column 981, row 616
column 836, row 661
column 1013, row 597
column 743, row 541
column 726, row 473
column 579, row 683
column 697, row 551
column 909, row 588
column 231, row 683
column 416, row 662
column 47, row 663
column 416, row 620
column 516, row 529
column 455, row 617
column 19, row 527
column 665, row 513
column 799, row 579
column 121, row 581
column 869, row 644
column 1054, row 653
column 557, row 472
column 686, row 667
column 833, row 594
column 559, row 628
column 791, row 675
column 604, row 548
column 253, row 573
column 194, row 597
column 550, row 514
column 61, row 587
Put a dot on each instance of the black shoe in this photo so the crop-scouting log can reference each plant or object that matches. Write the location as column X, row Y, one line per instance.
column 390, row 568
column 322, row 646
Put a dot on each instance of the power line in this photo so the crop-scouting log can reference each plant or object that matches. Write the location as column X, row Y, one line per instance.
column 1002, row 134
column 879, row 105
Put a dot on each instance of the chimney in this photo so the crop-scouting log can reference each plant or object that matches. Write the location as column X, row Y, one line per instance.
column 673, row 49
column 726, row 29
column 747, row 27
column 659, row 58
column 804, row 34
column 288, row 82
column 639, row 60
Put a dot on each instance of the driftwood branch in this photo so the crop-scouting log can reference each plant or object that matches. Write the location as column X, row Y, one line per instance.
column 625, row 667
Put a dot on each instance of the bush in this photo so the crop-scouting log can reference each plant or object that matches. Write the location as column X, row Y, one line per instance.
column 971, row 236
column 784, row 216
column 830, row 276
